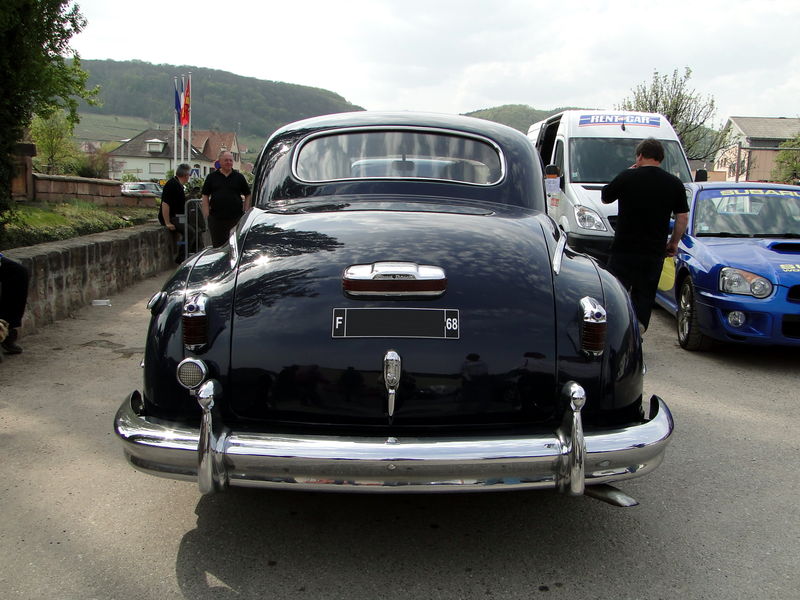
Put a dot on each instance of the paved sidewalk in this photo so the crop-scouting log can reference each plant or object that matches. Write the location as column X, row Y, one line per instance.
column 64, row 478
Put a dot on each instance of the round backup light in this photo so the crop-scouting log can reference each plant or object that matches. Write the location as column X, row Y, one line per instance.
column 192, row 373
column 736, row 318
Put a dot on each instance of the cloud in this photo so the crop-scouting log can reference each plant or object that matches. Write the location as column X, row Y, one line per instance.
column 458, row 56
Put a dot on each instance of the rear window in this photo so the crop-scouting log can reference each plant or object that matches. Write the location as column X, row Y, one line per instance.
column 398, row 154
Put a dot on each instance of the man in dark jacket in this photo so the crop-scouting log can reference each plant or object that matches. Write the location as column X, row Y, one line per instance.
column 226, row 197
column 173, row 201
column 648, row 196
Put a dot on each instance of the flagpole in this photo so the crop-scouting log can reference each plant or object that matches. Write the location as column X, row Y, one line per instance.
column 183, row 88
column 175, row 129
column 189, row 111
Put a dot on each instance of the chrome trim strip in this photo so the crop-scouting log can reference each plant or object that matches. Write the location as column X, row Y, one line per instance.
column 370, row 464
column 393, row 270
column 558, row 256
column 394, row 278
column 232, row 239
column 156, row 302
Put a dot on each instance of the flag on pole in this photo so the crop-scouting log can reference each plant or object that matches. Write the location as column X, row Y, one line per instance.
column 186, row 108
column 178, row 99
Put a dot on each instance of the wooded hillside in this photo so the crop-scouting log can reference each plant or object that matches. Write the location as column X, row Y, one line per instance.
column 518, row 116
column 254, row 108
column 219, row 99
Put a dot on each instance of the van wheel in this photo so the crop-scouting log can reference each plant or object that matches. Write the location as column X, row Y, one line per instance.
column 689, row 335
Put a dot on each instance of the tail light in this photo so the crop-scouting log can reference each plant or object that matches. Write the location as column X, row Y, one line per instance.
column 593, row 327
column 195, row 323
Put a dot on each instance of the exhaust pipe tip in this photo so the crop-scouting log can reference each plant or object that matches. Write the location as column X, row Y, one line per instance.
column 610, row 494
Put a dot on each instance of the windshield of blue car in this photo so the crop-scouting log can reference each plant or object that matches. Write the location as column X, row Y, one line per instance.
column 747, row 213
column 599, row 160
column 398, row 154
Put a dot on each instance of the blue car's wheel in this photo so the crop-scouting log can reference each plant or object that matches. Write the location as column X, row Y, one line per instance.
column 689, row 334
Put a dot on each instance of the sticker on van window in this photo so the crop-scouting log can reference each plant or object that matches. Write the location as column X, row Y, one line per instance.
column 638, row 120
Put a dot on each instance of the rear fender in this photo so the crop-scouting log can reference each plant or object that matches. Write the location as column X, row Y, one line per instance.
column 213, row 275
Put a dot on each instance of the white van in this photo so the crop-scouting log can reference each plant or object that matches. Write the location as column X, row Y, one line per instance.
column 590, row 148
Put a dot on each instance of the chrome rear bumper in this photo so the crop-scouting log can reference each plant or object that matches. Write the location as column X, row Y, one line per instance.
column 566, row 459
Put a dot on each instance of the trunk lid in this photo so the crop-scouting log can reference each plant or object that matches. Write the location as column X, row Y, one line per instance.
column 483, row 352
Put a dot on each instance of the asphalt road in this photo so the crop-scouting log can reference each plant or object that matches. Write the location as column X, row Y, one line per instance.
column 719, row 519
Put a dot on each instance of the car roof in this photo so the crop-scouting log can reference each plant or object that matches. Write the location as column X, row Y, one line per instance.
column 741, row 185
column 458, row 123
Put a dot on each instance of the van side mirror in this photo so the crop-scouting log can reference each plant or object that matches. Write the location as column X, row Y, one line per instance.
column 701, row 175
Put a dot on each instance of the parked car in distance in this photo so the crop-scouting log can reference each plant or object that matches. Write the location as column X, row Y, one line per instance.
column 736, row 276
column 396, row 313
column 141, row 188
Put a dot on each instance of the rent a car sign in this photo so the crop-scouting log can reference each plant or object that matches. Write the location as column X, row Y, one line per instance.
column 636, row 120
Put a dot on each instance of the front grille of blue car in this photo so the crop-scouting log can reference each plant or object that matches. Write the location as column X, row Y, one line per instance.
column 794, row 293
column 791, row 326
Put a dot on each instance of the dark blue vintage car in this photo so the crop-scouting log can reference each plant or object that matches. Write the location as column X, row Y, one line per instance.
column 397, row 313
column 736, row 276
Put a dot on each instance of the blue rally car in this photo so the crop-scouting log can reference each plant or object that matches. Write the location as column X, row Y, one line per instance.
column 736, row 276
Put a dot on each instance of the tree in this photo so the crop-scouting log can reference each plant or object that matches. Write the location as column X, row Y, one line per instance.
column 38, row 77
column 787, row 162
column 689, row 112
column 95, row 161
column 55, row 150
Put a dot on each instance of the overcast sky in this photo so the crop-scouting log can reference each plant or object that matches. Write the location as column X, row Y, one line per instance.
column 457, row 56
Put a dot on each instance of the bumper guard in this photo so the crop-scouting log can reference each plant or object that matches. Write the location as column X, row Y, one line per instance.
column 567, row 459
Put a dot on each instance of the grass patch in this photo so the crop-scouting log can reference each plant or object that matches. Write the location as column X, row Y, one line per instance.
column 96, row 127
column 28, row 225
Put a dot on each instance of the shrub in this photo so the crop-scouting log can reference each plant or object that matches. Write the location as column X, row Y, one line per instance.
column 29, row 225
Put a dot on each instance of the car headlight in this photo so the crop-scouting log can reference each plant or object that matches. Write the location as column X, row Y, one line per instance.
column 737, row 281
column 588, row 219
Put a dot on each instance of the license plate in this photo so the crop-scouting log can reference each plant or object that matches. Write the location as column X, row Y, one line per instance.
column 436, row 323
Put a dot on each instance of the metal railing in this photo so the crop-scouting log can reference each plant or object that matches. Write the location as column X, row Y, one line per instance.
column 194, row 229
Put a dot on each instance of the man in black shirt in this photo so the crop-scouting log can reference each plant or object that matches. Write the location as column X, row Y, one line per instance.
column 226, row 196
column 648, row 196
column 173, row 201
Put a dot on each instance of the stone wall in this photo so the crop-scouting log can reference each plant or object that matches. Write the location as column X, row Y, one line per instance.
column 69, row 274
column 103, row 192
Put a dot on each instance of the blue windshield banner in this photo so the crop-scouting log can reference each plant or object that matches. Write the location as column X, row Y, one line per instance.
column 636, row 120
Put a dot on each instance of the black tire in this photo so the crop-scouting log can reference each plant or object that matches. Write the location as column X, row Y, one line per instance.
column 689, row 335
